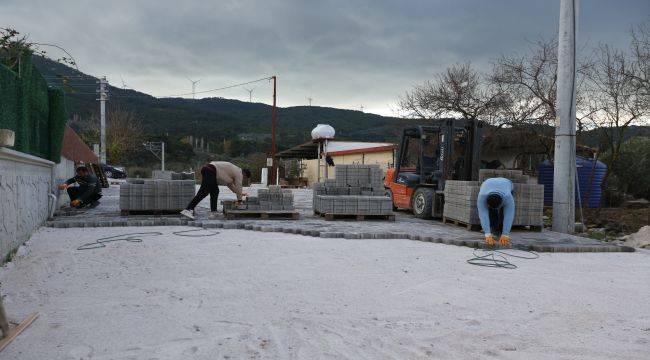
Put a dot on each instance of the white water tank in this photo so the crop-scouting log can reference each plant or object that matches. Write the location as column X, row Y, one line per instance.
column 323, row 131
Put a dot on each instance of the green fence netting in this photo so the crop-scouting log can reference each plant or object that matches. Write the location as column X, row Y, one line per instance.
column 35, row 112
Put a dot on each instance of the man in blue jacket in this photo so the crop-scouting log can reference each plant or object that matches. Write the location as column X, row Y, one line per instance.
column 496, row 207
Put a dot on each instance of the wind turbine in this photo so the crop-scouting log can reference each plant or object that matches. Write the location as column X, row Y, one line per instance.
column 124, row 86
column 310, row 99
column 250, row 94
column 193, row 85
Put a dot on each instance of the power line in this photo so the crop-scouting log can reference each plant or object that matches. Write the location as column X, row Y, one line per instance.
column 219, row 89
column 61, row 82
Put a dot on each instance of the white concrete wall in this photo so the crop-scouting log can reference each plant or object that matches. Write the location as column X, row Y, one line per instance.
column 62, row 172
column 384, row 159
column 25, row 185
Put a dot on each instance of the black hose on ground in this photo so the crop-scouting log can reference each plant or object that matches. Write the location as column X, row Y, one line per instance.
column 139, row 237
column 130, row 237
column 497, row 258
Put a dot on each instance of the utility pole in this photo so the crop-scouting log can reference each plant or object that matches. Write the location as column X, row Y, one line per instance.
column 103, row 96
column 157, row 148
column 565, row 129
column 274, row 121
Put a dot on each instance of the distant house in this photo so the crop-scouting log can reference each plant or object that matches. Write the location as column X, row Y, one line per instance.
column 341, row 152
column 254, row 136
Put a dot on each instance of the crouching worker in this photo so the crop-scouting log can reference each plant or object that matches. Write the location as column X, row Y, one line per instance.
column 496, row 209
column 212, row 175
column 84, row 189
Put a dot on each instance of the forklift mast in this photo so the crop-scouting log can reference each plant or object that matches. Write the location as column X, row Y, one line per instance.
column 457, row 155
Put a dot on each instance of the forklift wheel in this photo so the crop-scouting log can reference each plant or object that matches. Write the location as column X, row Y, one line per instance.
column 389, row 193
column 422, row 203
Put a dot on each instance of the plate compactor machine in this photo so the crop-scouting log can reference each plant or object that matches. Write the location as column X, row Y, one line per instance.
column 447, row 149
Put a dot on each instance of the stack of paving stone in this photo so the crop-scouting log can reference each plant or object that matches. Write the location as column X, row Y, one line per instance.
column 461, row 197
column 355, row 190
column 516, row 176
column 171, row 175
column 272, row 199
column 155, row 195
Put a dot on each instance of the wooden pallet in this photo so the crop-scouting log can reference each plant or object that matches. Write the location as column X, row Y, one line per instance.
column 262, row 214
column 477, row 227
column 470, row 227
column 357, row 217
column 99, row 172
column 150, row 212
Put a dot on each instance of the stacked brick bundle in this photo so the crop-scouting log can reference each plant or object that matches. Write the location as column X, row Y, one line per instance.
column 272, row 199
column 461, row 197
column 355, row 190
column 460, row 201
column 516, row 176
column 170, row 175
column 156, row 195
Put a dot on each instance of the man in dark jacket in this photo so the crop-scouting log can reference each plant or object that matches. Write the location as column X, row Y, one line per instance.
column 84, row 189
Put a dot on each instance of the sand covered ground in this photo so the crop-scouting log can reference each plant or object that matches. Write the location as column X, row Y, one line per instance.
column 250, row 295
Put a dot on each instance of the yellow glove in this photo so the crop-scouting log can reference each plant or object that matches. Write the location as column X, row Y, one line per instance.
column 504, row 240
column 75, row 203
column 489, row 240
column 63, row 187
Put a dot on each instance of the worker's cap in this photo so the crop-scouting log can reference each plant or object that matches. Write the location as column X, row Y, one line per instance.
column 82, row 168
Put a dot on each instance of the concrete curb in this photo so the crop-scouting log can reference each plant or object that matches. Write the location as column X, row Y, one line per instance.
column 550, row 248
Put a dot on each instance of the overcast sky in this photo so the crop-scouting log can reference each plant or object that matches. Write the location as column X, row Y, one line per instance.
column 340, row 53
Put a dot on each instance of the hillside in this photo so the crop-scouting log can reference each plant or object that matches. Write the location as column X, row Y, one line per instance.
column 215, row 118
column 246, row 125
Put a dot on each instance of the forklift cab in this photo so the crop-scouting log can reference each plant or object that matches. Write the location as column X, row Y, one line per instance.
column 429, row 155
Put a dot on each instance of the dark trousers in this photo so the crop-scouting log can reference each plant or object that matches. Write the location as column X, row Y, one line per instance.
column 75, row 191
column 208, row 186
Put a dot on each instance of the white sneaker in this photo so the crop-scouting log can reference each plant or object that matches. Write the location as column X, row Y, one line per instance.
column 213, row 215
column 188, row 214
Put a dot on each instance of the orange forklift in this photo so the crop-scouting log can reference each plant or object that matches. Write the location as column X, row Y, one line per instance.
column 448, row 149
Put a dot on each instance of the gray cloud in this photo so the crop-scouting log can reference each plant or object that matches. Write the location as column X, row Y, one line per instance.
column 341, row 53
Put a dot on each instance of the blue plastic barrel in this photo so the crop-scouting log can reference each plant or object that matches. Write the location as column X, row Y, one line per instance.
column 591, row 173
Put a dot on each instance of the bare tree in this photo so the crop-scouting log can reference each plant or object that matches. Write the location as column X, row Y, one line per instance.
column 530, row 82
column 617, row 96
column 457, row 92
column 123, row 134
column 640, row 67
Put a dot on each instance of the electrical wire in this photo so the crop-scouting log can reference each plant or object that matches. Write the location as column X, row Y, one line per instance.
column 496, row 258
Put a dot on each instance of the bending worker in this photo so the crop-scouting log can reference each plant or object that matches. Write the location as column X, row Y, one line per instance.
column 496, row 209
column 212, row 175
column 84, row 189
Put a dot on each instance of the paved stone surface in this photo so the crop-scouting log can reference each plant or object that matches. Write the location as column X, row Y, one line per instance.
column 405, row 226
